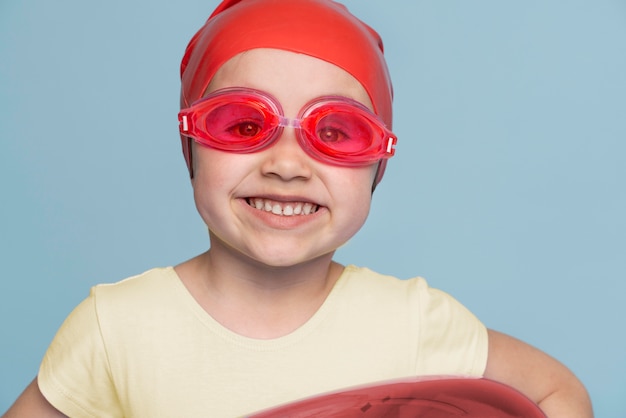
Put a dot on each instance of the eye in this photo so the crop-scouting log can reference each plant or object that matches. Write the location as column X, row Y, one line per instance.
column 235, row 122
column 344, row 131
column 331, row 134
column 246, row 129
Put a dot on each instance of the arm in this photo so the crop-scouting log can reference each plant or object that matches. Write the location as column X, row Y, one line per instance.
column 31, row 403
column 540, row 377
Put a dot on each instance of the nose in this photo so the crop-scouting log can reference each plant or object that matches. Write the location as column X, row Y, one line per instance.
column 286, row 159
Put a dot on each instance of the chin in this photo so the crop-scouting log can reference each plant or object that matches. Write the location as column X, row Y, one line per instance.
column 280, row 261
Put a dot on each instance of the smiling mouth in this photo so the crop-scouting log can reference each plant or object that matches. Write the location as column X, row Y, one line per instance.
column 283, row 208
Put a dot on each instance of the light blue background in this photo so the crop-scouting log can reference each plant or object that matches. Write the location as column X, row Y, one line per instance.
column 507, row 190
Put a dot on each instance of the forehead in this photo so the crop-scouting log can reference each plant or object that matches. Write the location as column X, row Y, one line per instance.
column 287, row 76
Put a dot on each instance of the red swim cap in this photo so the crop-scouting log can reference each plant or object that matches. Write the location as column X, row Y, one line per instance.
column 322, row 29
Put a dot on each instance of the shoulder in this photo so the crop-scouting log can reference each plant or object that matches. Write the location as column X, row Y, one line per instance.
column 127, row 300
column 433, row 307
column 146, row 279
column 412, row 296
column 363, row 281
column 447, row 337
column 139, row 298
column 156, row 282
column 364, row 277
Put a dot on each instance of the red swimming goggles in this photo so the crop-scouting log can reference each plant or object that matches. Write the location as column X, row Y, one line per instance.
column 332, row 129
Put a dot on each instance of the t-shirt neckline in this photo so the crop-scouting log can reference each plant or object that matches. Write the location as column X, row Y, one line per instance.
column 255, row 343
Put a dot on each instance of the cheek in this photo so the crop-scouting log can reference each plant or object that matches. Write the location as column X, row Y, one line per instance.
column 364, row 177
column 204, row 160
column 211, row 179
column 356, row 210
column 359, row 181
column 355, row 191
column 214, row 168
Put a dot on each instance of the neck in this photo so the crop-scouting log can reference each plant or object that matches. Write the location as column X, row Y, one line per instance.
column 256, row 300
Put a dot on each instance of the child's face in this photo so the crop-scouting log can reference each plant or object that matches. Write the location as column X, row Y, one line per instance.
column 229, row 187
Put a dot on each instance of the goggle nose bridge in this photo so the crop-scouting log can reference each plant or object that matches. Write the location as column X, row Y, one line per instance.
column 285, row 122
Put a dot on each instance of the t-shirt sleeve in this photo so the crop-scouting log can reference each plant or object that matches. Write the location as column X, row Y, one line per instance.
column 74, row 375
column 452, row 339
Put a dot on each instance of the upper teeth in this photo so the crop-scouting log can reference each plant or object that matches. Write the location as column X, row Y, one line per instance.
column 282, row 208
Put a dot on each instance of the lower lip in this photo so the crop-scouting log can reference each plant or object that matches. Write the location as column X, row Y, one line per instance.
column 280, row 221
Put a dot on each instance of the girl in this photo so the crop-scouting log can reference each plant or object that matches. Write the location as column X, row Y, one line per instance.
column 285, row 126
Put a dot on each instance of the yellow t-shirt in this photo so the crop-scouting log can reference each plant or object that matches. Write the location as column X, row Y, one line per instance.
column 143, row 347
